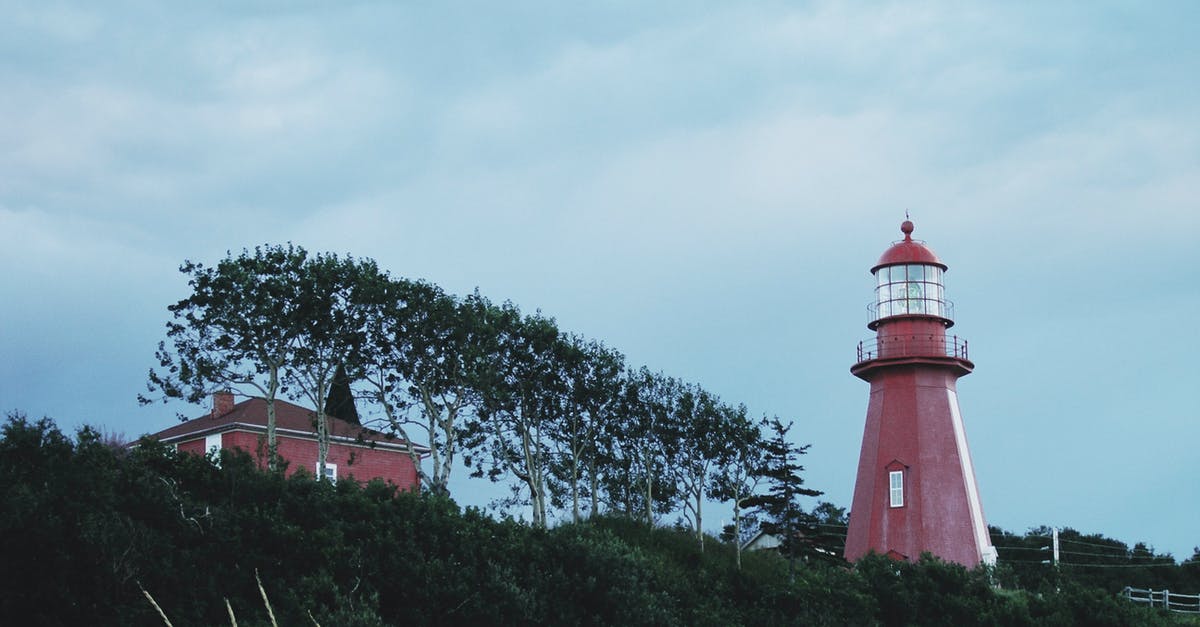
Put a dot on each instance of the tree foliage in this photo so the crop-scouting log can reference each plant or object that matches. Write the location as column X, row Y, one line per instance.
column 1093, row 560
column 239, row 329
column 337, row 297
column 85, row 526
column 779, row 507
column 740, row 472
column 560, row 417
column 521, row 399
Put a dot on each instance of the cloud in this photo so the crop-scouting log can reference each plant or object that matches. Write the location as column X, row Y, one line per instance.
column 702, row 187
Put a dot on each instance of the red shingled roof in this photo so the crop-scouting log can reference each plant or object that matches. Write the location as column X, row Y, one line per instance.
column 290, row 419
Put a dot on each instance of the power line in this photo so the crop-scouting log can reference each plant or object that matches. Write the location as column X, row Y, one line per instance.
column 1048, row 563
column 1171, row 563
column 1109, row 555
column 1121, row 546
column 1022, row 548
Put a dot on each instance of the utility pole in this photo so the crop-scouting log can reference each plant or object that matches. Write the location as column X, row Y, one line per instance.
column 1056, row 547
column 1057, row 573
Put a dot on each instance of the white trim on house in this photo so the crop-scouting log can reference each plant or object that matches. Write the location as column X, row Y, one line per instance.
column 307, row 435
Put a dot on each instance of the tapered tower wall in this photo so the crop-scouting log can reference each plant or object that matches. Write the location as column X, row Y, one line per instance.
column 914, row 426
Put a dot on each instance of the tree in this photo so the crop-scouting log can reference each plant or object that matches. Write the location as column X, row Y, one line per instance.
column 337, row 297
column 782, row 515
column 634, row 446
column 524, row 393
column 593, row 377
column 696, row 433
column 829, row 524
column 738, row 476
column 238, row 330
column 429, row 351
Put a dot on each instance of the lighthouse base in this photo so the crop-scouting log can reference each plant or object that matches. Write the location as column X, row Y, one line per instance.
column 916, row 489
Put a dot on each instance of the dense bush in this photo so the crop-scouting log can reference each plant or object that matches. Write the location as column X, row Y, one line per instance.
column 1092, row 560
column 85, row 525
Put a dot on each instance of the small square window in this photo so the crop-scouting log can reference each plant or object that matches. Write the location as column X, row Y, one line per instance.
column 896, row 484
column 330, row 471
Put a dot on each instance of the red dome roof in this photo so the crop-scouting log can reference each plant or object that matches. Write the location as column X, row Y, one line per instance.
column 908, row 250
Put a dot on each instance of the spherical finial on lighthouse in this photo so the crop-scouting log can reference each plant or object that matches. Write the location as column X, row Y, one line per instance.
column 907, row 228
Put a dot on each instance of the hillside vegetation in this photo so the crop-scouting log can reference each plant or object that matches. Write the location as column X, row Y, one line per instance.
column 85, row 526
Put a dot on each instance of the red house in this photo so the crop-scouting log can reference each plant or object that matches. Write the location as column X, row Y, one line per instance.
column 354, row 451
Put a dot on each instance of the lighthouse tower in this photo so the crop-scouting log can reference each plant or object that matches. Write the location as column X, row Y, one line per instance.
column 916, row 488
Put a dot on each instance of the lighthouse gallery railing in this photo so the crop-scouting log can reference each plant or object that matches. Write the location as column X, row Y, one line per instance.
column 919, row 345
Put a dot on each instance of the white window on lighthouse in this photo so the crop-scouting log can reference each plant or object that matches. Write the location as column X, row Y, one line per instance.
column 896, row 483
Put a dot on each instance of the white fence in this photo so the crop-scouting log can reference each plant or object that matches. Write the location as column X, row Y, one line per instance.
column 1165, row 599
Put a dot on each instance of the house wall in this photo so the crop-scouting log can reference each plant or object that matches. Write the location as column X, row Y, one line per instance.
column 193, row 446
column 358, row 462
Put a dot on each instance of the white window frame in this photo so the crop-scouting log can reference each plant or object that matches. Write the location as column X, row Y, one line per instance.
column 212, row 446
column 330, row 471
column 896, row 488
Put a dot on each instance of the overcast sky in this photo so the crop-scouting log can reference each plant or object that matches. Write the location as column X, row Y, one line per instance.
column 703, row 187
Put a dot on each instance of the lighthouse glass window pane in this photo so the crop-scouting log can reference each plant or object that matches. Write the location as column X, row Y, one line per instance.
column 934, row 275
column 914, row 291
column 896, row 485
column 916, row 272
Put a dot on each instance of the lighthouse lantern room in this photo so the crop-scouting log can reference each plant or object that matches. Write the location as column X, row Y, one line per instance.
column 916, row 490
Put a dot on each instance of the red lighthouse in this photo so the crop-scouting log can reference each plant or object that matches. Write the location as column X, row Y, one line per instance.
column 916, row 488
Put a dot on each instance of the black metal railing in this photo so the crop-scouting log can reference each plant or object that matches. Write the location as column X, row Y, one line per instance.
column 917, row 345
